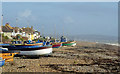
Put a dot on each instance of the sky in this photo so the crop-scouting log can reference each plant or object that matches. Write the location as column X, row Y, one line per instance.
column 61, row 0
column 70, row 18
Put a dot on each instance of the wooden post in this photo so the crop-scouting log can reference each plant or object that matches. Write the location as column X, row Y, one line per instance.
column 1, row 26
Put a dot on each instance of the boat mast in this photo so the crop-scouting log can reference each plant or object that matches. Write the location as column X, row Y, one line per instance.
column 1, row 26
column 43, row 30
column 63, row 31
column 55, row 31
column 16, row 21
column 57, row 36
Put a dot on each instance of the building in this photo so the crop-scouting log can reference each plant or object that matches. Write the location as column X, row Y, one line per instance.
column 36, row 34
column 12, row 32
column 7, row 30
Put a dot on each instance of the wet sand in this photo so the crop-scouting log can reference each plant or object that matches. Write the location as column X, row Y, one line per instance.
column 84, row 57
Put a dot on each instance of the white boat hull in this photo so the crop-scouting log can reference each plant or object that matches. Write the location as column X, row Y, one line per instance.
column 74, row 44
column 37, row 52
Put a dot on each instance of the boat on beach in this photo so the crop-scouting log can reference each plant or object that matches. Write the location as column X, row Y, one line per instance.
column 7, row 55
column 67, row 43
column 40, row 50
column 30, row 48
column 56, row 45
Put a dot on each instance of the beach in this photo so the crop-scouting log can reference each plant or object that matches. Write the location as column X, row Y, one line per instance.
column 84, row 57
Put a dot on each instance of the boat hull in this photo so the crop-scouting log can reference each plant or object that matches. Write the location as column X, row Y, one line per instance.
column 8, row 56
column 56, row 45
column 68, row 44
column 31, row 50
column 37, row 52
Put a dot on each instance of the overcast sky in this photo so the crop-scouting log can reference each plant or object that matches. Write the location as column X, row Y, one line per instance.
column 75, row 18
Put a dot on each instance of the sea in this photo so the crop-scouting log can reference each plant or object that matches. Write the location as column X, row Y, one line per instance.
column 110, row 40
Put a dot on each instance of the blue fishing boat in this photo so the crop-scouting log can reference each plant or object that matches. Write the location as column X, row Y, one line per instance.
column 4, row 44
column 30, row 48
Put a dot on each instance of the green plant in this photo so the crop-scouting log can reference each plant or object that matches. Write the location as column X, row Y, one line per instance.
column 22, row 39
column 12, row 40
column 3, row 35
column 35, row 40
column 6, row 37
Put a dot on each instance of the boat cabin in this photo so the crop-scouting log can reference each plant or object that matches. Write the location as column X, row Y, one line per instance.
column 63, row 39
column 16, row 42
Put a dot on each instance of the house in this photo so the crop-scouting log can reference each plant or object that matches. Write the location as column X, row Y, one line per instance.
column 7, row 30
column 36, row 34
column 31, row 33
column 12, row 32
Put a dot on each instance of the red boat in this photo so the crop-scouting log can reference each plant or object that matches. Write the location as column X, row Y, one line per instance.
column 56, row 45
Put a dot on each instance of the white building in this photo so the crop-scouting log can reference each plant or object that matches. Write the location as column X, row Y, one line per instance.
column 24, row 32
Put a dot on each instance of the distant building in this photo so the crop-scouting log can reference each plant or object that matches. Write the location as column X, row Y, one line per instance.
column 36, row 35
column 12, row 32
column 7, row 30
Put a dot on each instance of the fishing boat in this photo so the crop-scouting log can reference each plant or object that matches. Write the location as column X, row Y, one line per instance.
column 3, row 49
column 30, row 48
column 2, row 61
column 56, row 45
column 4, row 45
column 7, row 55
column 55, row 42
column 67, row 43
column 41, row 50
